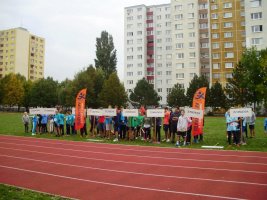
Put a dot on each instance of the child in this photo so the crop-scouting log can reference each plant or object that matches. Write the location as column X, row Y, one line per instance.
column 265, row 125
column 182, row 126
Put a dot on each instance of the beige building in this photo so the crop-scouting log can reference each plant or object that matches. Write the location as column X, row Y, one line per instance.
column 228, row 37
column 21, row 52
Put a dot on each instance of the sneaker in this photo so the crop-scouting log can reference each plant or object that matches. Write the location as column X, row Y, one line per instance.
column 33, row 134
column 244, row 143
column 168, row 140
column 184, row 144
column 142, row 139
column 115, row 140
column 163, row 140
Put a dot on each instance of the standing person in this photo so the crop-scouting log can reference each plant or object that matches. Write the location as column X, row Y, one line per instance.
column 26, row 121
column 123, row 122
column 72, row 123
column 116, row 124
column 189, row 130
column 235, row 127
column 61, row 123
column 182, row 125
column 251, row 124
column 147, row 128
column 166, row 124
column 243, row 132
column 51, row 123
column 44, row 123
column 108, row 125
column 158, row 128
column 265, row 125
column 229, row 127
column 101, row 126
column 56, row 122
column 68, row 123
column 39, row 123
column 34, row 124
column 174, row 120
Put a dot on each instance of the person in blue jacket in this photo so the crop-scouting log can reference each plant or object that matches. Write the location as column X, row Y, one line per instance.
column 34, row 124
column 265, row 125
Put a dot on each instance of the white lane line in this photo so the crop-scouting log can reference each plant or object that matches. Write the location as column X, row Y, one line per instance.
column 119, row 185
column 136, row 173
column 138, row 156
column 137, row 150
column 137, row 163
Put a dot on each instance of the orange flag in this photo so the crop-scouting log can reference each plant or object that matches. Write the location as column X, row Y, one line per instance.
column 79, row 109
column 199, row 104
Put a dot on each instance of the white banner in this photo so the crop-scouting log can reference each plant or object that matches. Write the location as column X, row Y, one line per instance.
column 240, row 112
column 130, row 112
column 94, row 112
column 109, row 112
column 190, row 112
column 46, row 111
column 155, row 113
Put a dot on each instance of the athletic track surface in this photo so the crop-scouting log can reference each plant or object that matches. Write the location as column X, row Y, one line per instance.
column 85, row 170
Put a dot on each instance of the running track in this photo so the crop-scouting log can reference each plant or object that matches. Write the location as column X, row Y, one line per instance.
column 85, row 170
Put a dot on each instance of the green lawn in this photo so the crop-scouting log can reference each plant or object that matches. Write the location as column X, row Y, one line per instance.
column 12, row 193
column 215, row 128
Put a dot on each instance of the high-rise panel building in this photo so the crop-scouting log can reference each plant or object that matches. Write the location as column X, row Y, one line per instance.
column 21, row 52
column 256, row 23
column 227, row 27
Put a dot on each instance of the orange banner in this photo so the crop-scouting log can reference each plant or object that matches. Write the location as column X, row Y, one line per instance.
column 199, row 104
column 80, row 109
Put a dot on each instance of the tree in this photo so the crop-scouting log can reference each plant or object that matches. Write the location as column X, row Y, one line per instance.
column 13, row 91
column 65, row 93
column 144, row 94
column 217, row 97
column 113, row 92
column 27, row 85
column 195, row 84
column 177, row 96
column 106, row 58
column 44, row 93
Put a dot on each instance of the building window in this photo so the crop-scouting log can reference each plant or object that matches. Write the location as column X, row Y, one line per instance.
column 129, row 82
column 169, row 56
column 180, row 76
column 192, row 65
column 192, row 75
column 228, row 15
column 129, row 33
column 215, row 45
column 229, row 65
column 192, row 54
column 180, row 55
column 216, row 66
column 215, row 55
column 192, row 45
column 139, row 56
column 178, row 7
column 168, row 90
column 191, row 25
column 168, row 73
column 129, row 66
column 216, row 76
column 255, row 3
column 214, row 26
column 227, row 5
column 168, row 65
column 139, row 65
column 179, row 36
column 228, row 24
column 129, row 57
column 179, row 17
column 129, row 73
column 229, row 55
column 228, row 34
column 192, row 34
column 178, row 26
column 139, row 73
column 215, row 35
column 214, row 7
column 129, row 41
column 256, row 41
column 159, row 57
column 256, row 28
column 204, row 45
column 203, row 26
column 229, row 75
column 168, row 81
column 203, row 16
column 159, row 73
column 214, row 16
column 179, row 65
column 203, row 6
column 159, row 82
column 257, row 15
column 228, row 45
column 159, row 89
column 168, row 32
column 190, row 15
column 159, row 65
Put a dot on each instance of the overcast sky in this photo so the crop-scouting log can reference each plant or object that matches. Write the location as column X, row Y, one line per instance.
column 70, row 29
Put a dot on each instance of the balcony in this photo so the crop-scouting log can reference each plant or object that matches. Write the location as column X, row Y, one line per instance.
column 150, row 60
column 150, row 69
column 149, row 21
column 149, row 13
column 151, row 44
column 150, row 52
column 150, row 28
column 150, row 37
column 150, row 78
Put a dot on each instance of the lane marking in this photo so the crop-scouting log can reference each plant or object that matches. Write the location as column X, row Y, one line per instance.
column 138, row 163
column 138, row 156
column 119, row 185
column 141, row 150
column 136, row 173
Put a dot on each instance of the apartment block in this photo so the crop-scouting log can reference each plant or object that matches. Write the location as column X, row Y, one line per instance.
column 21, row 52
column 227, row 27
column 256, row 23
column 148, row 47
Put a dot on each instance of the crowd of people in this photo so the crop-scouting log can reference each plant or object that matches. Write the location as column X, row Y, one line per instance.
column 176, row 126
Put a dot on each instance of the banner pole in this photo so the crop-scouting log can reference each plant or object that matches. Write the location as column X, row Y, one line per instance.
column 155, row 129
column 93, row 127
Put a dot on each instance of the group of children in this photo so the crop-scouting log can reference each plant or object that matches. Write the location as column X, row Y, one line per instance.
column 176, row 126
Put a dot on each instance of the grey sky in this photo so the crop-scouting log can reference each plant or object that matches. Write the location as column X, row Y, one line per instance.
column 70, row 29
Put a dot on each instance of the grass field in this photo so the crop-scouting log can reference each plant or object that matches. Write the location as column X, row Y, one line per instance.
column 215, row 128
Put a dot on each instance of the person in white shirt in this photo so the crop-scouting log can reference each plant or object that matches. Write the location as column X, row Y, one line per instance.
column 182, row 126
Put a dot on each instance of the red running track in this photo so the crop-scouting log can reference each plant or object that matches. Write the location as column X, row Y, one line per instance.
column 85, row 170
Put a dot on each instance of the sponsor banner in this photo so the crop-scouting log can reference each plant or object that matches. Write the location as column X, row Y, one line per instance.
column 80, row 109
column 190, row 112
column 155, row 113
column 94, row 112
column 130, row 112
column 198, row 104
column 109, row 112
column 44, row 111
column 240, row 112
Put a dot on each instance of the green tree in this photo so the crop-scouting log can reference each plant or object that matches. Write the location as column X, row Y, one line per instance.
column 44, row 93
column 113, row 92
column 106, row 58
column 195, row 84
column 144, row 94
column 27, row 94
column 65, row 93
column 13, row 90
column 177, row 96
column 217, row 97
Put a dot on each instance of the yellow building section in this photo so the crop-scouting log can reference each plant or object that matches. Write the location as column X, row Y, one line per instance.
column 227, row 28
column 15, row 53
